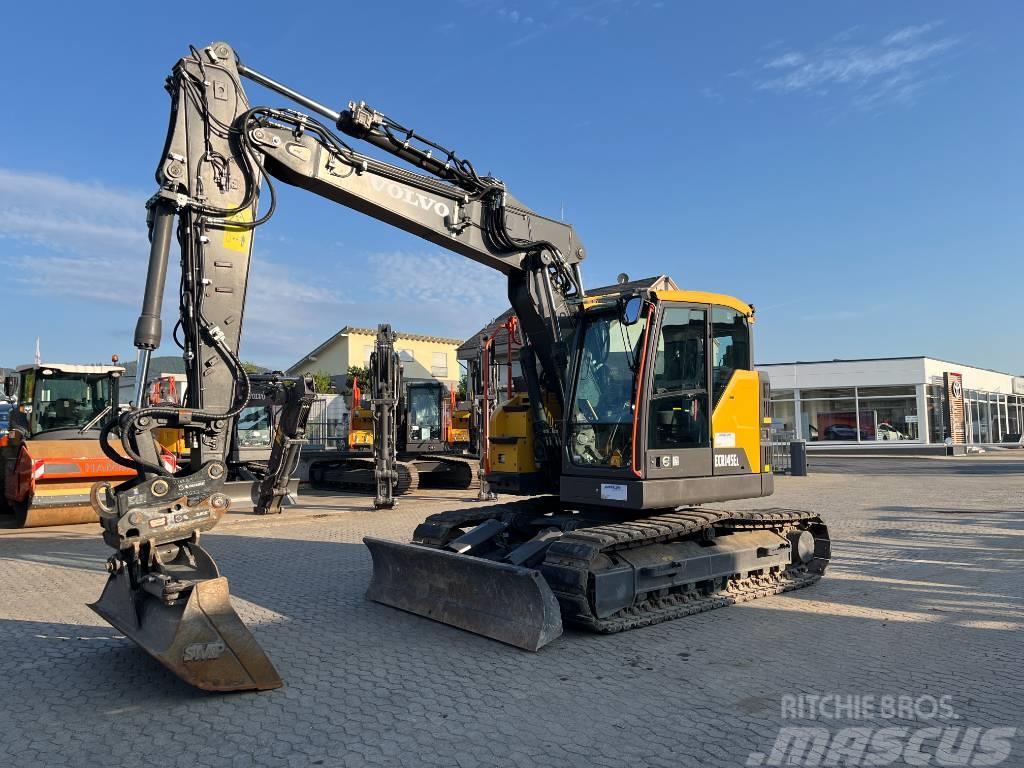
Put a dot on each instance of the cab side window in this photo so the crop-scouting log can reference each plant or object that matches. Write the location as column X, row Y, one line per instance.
column 730, row 346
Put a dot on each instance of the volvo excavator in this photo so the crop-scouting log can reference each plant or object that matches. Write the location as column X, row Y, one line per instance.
column 639, row 405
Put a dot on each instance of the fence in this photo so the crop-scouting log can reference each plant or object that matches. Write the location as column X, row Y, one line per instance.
column 779, row 453
column 323, row 430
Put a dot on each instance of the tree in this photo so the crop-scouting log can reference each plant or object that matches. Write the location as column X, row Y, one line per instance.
column 322, row 383
column 357, row 372
column 463, row 386
column 250, row 367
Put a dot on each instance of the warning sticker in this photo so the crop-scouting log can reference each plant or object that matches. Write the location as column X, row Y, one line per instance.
column 238, row 238
column 725, row 439
column 613, row 491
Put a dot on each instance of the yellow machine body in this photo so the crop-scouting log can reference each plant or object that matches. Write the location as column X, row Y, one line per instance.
column 360, row 430
column 736, row 420
column 510, row 448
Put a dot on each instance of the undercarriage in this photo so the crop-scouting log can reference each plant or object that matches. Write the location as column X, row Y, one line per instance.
column 544, row 565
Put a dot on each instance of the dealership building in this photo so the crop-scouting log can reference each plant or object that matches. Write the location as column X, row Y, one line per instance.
column 901, row 399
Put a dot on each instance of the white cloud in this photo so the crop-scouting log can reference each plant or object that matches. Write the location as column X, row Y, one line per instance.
column 69, row 216
column 64, row 240
column 893, row 69
column 84, row 246
column 907, row 34
column 436, row 278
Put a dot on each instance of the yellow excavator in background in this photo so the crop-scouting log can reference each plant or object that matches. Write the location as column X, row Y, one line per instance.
column 639, row 405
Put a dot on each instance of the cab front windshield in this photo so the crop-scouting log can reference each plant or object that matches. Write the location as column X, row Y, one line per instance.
column 424, row 413
column 601, row 416
column 67, row 400
column 255, row 427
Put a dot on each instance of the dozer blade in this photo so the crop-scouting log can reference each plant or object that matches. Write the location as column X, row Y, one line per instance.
column 497, row 600
column 39, row 517
column 203, row 642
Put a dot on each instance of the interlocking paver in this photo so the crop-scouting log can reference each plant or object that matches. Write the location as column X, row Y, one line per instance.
column 924, row 596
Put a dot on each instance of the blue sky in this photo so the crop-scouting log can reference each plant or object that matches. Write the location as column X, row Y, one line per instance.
column 853, row 169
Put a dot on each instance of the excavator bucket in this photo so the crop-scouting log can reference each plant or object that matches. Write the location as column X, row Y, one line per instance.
column 202, row 641
column 497, row 600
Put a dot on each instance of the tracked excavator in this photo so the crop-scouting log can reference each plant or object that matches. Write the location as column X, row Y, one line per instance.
column 639, row 406
column 403, row 429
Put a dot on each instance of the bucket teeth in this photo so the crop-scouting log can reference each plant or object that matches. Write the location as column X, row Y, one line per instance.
column 498, row 600
column 200, row 639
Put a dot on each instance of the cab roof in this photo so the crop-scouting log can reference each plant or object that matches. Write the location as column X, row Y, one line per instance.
column 692, row 297
column 72, row 368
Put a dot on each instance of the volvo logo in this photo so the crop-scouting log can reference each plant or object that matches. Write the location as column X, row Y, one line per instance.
column 410, row 196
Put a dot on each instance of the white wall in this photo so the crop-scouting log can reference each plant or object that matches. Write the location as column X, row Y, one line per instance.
column 974, row 378
column 846, row 373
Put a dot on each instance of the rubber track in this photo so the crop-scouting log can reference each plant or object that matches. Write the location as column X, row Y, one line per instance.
column 408, row 478
column 463, row 467
column 437, row 530
column 567, row 565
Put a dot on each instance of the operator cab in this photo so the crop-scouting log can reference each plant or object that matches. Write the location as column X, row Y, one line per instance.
column 665, row 407
column 65, row 401
column 427, row 416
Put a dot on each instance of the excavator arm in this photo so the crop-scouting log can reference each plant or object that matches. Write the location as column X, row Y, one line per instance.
column 293, row 398
column 164, row 590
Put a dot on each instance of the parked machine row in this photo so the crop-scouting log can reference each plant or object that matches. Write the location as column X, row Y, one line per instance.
column 51, row 456
column 404, row 432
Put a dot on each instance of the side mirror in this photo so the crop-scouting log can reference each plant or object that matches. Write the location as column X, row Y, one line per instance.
column 10, row 385
column 629, row 312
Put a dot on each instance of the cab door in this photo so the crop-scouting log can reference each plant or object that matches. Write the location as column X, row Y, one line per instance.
column 678, row 422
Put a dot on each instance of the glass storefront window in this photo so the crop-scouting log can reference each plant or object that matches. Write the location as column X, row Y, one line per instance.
column 834, row 420
column 782, row 394
column 1013, row 421
column 783, row 416
column 936, row 419
column 889, row 418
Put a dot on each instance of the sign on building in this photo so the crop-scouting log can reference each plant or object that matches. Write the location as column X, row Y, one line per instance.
column 1018, row 385
column 955, row 415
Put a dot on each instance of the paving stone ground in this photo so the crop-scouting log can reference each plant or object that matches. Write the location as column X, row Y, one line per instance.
column 924, row 598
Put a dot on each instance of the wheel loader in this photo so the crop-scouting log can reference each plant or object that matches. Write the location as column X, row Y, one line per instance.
column 51, row 456
column 641, row 406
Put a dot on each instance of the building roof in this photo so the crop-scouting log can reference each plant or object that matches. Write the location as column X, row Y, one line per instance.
column 352, row 330
column 885, row 359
